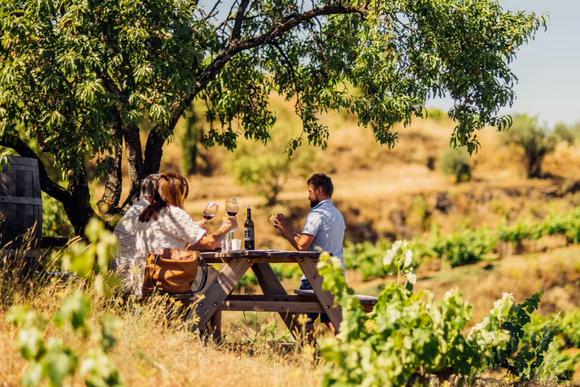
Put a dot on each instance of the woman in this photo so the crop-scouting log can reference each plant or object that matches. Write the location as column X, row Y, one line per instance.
column 125, row 231
column 165, row 225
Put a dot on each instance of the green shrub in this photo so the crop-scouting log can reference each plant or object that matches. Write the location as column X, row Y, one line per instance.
column 567, row 225
column 571, row 328
column 516, row 234
column 456, row 162
column 566, row 133
column 55, row 222
column 266, row 168
column 464, row 247
column 436, row 114
column 366, row 258
column 409, row 336
column 536, row 143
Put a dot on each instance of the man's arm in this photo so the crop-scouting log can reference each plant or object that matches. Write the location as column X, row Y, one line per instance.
column 299, row 241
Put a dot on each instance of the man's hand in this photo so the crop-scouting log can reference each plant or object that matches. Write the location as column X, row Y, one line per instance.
column 300, row 241
column 280, row 222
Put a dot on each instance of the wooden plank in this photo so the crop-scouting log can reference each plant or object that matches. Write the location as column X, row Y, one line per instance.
column 21, row 200
column 281, row 307
column 272, row 297
column 217, row 292
column 325, row 298
column 271, row 286
column 215, row 326
column 283, row 259
column 260, row 254
column 17, row 161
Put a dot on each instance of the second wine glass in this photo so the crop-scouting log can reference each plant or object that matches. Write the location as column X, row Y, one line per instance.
column 210, row 210
column 232, row 206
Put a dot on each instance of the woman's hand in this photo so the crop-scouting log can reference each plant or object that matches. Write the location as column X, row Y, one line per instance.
column 229, row 223
column 203, row 224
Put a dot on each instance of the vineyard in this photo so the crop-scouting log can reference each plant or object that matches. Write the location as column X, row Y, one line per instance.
column 445, row 133
column 463, row 247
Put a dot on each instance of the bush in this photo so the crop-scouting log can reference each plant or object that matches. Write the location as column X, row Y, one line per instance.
column 568, row 134
column 408, row 336
column 516, row 234
column 533, row 139
column 464, row 247
column 436, row 114
column 456, row 163
column 55, row 222
column 366, row 258
column 567, row 225
column 266, row 168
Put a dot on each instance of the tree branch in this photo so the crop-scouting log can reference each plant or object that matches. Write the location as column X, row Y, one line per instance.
column 210, row 72
column 237, row 30
column 46, row 184
column 155, row 140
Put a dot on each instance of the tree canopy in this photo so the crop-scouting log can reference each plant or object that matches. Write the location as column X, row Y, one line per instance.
column 78, row 78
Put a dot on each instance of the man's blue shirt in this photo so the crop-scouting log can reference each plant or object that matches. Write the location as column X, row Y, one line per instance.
column 326, row 224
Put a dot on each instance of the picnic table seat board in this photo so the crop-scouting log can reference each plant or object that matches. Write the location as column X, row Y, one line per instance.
column 368, row 302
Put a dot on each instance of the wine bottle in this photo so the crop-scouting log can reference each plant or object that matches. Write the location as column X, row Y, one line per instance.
column 249, row 241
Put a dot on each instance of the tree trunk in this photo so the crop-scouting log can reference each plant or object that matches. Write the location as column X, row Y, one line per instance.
column 154, row 151
column 134, row 160
column 534, row 165
column 78, row 208
column 114, row 181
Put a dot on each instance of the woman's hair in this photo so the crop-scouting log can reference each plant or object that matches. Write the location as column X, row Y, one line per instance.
column 171, row 190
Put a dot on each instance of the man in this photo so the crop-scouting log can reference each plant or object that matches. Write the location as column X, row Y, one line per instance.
column 324, row 227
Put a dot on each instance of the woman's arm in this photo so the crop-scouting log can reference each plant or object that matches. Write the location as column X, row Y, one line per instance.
column 211, row 241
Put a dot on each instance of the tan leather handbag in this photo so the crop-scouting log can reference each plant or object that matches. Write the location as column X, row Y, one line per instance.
column 173, row 271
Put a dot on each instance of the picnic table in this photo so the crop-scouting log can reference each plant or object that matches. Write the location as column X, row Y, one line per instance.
column 274, row 297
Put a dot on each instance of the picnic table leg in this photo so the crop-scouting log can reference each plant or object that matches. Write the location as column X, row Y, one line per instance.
column 271, row 285
column 217, row 292
column 215, row 324
column 325, row 298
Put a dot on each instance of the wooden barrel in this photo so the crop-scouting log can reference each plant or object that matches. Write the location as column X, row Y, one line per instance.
column 20, row 201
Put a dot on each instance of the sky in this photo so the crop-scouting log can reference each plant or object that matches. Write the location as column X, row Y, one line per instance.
column 548, row 67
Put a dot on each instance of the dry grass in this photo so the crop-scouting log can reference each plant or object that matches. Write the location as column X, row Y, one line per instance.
column 152, row 352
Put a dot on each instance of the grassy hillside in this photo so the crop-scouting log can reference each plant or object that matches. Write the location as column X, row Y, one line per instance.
column 385, row 194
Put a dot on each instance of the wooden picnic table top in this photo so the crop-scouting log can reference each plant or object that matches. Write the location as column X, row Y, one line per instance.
column 263, row 256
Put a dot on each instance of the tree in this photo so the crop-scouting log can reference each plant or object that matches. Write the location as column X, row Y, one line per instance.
column 84, row 78
column 535, row 141
column 266, row 168
column 456, row 162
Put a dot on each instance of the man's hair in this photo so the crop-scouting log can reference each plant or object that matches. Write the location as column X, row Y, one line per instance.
column 320, row 180
column 149, row 185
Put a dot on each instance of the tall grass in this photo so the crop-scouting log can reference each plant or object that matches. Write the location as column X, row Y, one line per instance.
column 151, row 349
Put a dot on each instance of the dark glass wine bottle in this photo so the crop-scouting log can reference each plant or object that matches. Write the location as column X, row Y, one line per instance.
column 249, row 237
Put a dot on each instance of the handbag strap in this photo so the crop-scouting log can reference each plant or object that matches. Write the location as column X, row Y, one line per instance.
column 204, row 274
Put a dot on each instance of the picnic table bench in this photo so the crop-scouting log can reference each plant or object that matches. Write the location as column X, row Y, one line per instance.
column 274, row 297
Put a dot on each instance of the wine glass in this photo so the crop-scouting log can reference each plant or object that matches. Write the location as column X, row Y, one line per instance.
column 210, row 210
column 232, row 206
